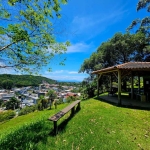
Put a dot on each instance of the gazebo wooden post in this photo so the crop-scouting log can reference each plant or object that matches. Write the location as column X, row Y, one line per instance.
column 138, row 84
column 110, row 83
column 132, row 85
column 98, row 85
column 98, row 78
column 119, row 87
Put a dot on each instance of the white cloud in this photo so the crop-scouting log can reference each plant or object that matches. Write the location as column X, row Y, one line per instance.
column 91, row 25
column 62, row 72
column 58, row 72
column 54, row 72
column 73, row 72
column 83, row 23
column 65, row 75
column 5, row 70
column 79, row 47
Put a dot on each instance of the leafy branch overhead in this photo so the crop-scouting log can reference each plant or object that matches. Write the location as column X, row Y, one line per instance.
column 27, row 33
column 144, row 24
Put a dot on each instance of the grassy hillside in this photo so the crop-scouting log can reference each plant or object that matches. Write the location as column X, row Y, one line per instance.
column 97, row 126
column 24, row 80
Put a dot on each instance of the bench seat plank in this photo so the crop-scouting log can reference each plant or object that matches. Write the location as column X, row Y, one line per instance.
column 57, row 116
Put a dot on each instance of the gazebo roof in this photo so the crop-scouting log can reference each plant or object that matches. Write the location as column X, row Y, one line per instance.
column 134, row 66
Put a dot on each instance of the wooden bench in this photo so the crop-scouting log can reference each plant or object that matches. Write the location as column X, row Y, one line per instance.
column 60, row 114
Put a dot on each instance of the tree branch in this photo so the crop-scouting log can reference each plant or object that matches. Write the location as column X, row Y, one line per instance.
column 3, row 48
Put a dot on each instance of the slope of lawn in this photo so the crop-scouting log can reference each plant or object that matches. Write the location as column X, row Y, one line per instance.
column 27, row 119
column 98, row 125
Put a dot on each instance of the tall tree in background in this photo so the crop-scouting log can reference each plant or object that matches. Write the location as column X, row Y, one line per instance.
column 141, row 43
column 119, row 49
column 13, row 103
column 51, row 96
column 27, row 34
column 144, row 24
column 7, row 84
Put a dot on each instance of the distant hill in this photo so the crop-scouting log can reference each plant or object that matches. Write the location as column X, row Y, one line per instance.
column 25, row 80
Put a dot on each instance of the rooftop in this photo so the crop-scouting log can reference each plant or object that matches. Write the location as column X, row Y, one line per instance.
column 143, row 66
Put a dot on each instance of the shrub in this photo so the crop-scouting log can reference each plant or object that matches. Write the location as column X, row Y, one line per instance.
column 40, row 106
column 6, row 115
column 59, row 101
column 70, row 99
column 27, row 109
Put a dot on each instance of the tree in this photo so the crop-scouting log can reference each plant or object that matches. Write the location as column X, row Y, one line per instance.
column 51, row 96
column 1, row 102
column 144, row 24
column 109, row 53
column 88, row 87
column 13, row 103
column 7, row 84
column 42, row 103
column 27, row 35
column 143, row 27
column 70, row 99
column 141, row 47
column 119, row 49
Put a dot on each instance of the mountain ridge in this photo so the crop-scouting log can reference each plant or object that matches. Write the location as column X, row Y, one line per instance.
column 25, row 80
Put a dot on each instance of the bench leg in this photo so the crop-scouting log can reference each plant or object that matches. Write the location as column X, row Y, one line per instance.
column 55, row 127
column 78, row 107
column 72, row 111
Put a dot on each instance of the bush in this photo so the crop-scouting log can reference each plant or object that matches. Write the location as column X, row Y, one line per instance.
column 39, row 106
column 70, row 99
column 59, row 101
column 6, row 115
column 27, row 109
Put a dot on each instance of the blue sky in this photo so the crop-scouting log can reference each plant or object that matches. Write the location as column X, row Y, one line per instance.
column 86, row 24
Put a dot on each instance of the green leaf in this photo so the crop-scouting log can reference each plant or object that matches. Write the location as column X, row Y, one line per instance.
column 2, row 30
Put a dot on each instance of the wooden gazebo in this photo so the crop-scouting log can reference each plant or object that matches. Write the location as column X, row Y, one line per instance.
column 131, row 69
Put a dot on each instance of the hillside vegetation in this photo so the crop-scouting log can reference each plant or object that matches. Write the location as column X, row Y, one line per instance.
column 24, row 80
column 97, row 126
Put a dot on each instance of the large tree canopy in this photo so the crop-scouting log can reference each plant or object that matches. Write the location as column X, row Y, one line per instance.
column 27, row 35
column 119, row 49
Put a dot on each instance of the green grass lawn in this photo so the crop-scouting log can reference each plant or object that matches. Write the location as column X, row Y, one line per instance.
column 97, row 126
column 19, row 121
